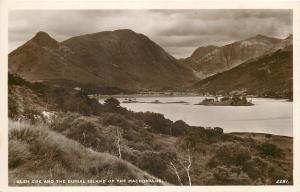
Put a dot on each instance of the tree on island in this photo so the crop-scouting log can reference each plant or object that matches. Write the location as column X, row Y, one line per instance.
column 112, row 102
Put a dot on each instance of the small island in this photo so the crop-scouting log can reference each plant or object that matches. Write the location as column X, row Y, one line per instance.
column 227, row 101
column 130, row 100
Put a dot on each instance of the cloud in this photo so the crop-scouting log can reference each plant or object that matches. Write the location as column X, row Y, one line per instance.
column 178, row 31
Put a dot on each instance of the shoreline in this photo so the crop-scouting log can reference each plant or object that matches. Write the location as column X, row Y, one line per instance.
column 164, row 96
column 258, row 134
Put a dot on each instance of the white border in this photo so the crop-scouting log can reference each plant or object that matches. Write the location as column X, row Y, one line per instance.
column 6, row 5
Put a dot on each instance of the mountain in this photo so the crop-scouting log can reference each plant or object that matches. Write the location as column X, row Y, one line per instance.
column 120, row 58
column 269, row 76
column 212, row 59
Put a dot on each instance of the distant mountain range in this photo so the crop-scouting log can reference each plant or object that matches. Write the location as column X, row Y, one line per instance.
column 121, row 58
column 211, row 60
column 270, row 75
column 127, row 60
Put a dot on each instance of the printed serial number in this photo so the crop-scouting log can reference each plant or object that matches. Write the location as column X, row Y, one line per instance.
column 282, row 181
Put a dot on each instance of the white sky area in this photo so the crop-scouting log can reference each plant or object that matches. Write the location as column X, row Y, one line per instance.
column 179, row 32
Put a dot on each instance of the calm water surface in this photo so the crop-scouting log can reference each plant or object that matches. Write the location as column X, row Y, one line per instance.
column 266, row 116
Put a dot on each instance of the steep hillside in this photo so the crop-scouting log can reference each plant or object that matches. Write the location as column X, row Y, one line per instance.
column 212, row 59
column 121, row 58
column 37, row 153
column 90, row 141
column 269, row 76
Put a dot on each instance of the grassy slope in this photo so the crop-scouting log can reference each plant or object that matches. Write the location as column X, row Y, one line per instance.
column 35, row 152
column 82, row 144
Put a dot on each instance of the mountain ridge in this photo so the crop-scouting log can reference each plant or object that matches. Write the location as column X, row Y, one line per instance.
column 120, row 58
column 214, row 59
column 270, row 75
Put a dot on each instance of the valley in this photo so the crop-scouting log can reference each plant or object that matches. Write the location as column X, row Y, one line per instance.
column 114, row 105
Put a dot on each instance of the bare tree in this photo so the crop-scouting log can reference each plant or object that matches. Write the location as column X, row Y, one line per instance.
column 176, row 172
column 187, row 167
column 83, row 135
column 118, row 142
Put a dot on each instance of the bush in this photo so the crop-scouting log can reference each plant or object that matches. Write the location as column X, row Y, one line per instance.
column 34, row 116
column 269, row 150
column 153, row 164
column 226, row 176
column 221, row 175
column 18, row 153
column 195, row 136
column 73, row 101
column 13, row 108
column 179, row 128
column 157, row 122
column 268, row 135
column 84, row 130
column 213, row 132
column 30, row 144
column 113, row 105
column 230, row 155
column 14, row 79
column 255, row 168
column 112, row 102
column 115, row 119
column 62, row 121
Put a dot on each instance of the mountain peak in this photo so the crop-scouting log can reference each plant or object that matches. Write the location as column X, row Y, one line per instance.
column 261, row 36
column 44, row 39
column 124, row 31
column 42, row 34
column 115, row 33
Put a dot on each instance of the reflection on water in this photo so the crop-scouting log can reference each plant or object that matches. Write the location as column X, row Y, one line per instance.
column 266, row 116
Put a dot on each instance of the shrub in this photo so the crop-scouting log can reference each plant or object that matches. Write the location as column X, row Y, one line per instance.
column 179, row 128
column 115, row 119
column 73, row 101
column 13, row 108
column 195, row 136
column 63, row 121
column 18, row 153
column 269, row 150
column 168, row 155
column 221, row 175
column 33, row 144
column 192, row 137
column 112, row 102
column 255, row 168
column 152, row 163
column 225, row 176
column 218, row 131
column 157, row 122
column 268, row 135
column 24, row 133
column 230, row 155
column 213, row 132
column 83, row 130
column 113, row 105
column 34, row 116
column 14, row 79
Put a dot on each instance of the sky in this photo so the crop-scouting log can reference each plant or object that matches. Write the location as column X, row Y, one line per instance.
column 179, row 32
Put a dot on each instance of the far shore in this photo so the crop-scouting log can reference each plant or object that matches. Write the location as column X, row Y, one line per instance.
column 254, row 134
column 98, row 96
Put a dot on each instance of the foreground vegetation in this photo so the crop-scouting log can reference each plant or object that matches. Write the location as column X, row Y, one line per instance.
column 58, row 133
